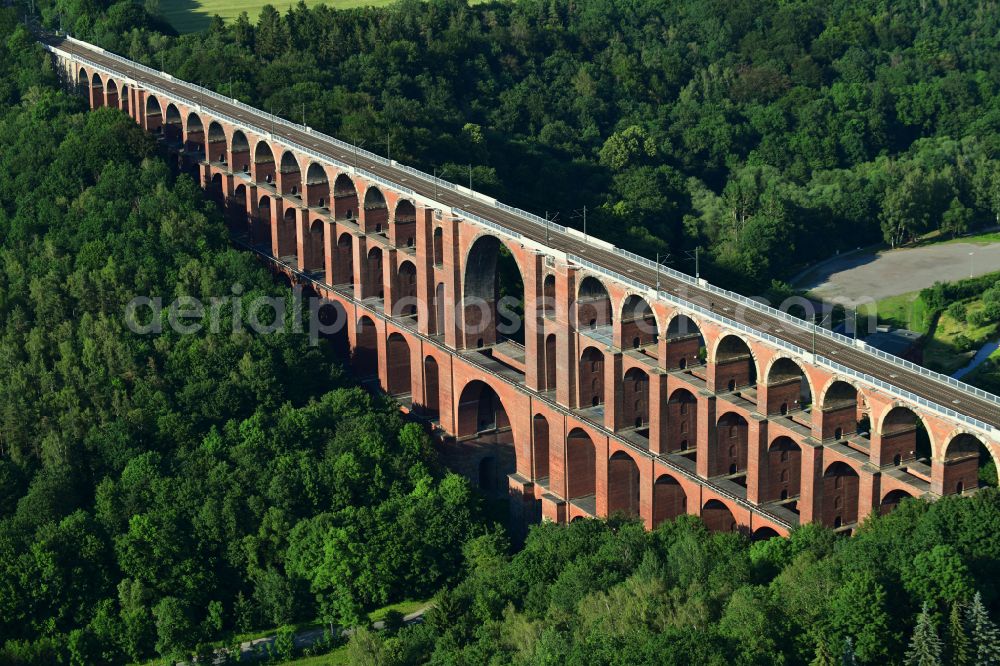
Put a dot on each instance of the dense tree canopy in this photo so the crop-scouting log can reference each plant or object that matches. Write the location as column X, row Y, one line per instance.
column 161, row 491
column 772, row 133
column 157, row 491
column 608, row 592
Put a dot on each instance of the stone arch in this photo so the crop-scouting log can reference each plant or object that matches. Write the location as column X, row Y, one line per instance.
column 289, row 175
column 194, row 134
column 398, row 366
column 902, row 436
column 218, row 149
column 891, row 500
column 432, row 389
column 965, row 463
column 240, row 153
column 263, row 164
column 735, row 365
column 372, row 284
column 404, row 222
column 591, row 377
column 623, row 484
column 492, row 274
column 287, row 240
column 593, row 305
column 840, row 404
column 96, row 90
column 111, row 93
column 345, row 198
column 126, row 99
column 669, row 499
column 549, row 296
column 83, row 82
column 581, row 464
column 788, row 386
column 313, row 247
column 841, row 493
column 731, row 447
column 343, row 265
column 153, row 115
column 685, row 343
column 639, row 329
column 376, row 211
column 540, row 448
column 484, row 428
column 718, row 517
column 405, row 304
column 480, row 410
column 317, row 190
column 173, row 125
column 236, row 211
column 366, row 348
column 261, row 230
column 764, row 533
column 682, row 421
column 438, row 246
column 784, row 470
column 635, row 400
column 551, row 355
column 214, row 188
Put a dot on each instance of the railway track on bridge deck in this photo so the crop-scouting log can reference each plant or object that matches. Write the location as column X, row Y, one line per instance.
column 720, row 305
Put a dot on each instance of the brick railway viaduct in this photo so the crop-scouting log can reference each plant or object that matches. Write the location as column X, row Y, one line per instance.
column 627, row 387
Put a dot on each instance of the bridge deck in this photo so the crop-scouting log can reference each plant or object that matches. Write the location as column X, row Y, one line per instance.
column 718, row 304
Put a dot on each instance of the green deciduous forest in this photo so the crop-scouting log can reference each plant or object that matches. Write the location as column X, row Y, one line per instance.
column 597, row 593
column 160, row 493
column 770, row 133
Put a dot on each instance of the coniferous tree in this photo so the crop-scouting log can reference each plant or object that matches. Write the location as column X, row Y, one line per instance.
column 848, row 657
column 959, row 650
column 925, row 645
column 824, row 656
column 983, row 633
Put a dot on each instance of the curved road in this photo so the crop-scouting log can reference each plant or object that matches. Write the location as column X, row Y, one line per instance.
column 845, row 354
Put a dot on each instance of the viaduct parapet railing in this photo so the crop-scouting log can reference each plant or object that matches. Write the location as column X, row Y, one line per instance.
column 549, row 228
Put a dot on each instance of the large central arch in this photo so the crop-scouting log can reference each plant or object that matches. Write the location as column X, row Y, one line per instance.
column 493, row 295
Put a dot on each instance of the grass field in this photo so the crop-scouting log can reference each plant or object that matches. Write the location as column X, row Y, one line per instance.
column 902, row 311
column 194, row 15
column 942, row 353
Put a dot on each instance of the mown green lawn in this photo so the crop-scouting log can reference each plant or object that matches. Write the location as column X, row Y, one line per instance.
column 194, row 15
column 902, row 311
